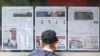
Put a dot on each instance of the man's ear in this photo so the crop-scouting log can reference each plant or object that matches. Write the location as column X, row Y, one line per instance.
column 55, row 45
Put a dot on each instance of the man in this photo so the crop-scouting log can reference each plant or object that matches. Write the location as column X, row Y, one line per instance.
column 49, row 44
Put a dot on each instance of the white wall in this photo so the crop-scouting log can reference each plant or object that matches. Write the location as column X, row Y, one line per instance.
column 59, row 53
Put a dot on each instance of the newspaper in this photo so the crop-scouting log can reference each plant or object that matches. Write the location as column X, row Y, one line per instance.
column 83, row 28
column 17, row 28
column 51, row 18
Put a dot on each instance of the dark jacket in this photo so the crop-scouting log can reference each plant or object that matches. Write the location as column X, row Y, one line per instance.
column 42, row 53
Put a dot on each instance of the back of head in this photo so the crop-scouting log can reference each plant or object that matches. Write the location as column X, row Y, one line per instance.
column 49, row 37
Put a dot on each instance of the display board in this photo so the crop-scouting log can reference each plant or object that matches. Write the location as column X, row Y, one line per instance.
column 51, row 18
column 83, row 28
column 77, row 32
column 17, row 28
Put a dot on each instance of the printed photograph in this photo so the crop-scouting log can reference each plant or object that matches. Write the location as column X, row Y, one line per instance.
column 37, row 43
column 75, row 43
column 50, row 14
column 10, row 41
column 27, row 14
column 83, row 16
column 91, row 42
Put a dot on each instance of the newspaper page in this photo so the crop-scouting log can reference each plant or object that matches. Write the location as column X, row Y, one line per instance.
column 51, row 18
column 83, row 28
column 17, row 28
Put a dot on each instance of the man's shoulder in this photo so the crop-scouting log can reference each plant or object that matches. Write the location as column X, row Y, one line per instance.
column 53, row 54
column 49, row 53
column 42, row 53
column 33, row 53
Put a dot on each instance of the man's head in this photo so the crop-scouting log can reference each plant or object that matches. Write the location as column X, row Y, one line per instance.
column 49, row 39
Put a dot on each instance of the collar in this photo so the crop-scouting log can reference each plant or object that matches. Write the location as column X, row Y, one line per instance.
column 47, row 49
